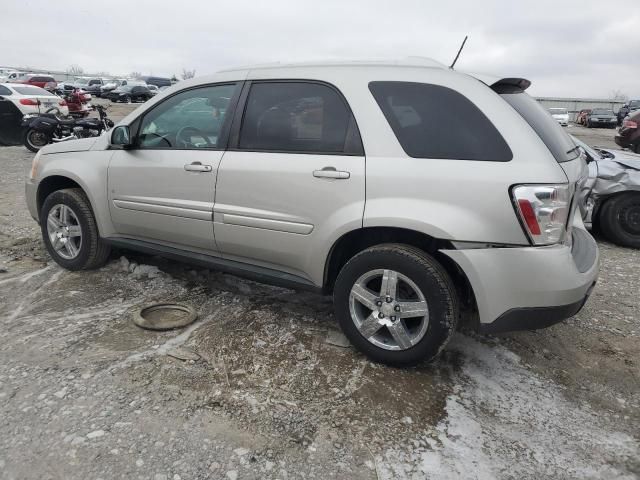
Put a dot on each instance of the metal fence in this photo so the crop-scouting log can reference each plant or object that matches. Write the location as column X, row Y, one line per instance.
column 574, row 105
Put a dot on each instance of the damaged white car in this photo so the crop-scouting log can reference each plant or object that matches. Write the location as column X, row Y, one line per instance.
column 612, row 197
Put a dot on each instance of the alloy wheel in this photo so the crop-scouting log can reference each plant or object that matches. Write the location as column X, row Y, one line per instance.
column 63, row 229
column 389, row 309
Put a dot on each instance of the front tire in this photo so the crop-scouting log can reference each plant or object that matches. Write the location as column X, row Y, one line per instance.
column 396, row 304
column 620, row 219
column 70, row 232
column 35, row 140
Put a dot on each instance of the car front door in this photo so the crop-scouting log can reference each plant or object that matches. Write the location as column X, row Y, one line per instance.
column 293, row 175
column 163, row 189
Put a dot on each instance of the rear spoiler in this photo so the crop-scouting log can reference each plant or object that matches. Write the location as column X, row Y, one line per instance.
column 506, row 85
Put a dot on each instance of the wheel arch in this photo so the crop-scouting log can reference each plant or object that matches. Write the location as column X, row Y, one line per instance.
column 602, row 201
column 355, row 241
column 56, row 182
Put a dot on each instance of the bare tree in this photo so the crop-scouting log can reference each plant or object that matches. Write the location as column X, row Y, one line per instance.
column 618, row 95
column 187, row 74
column 135, row 75
column 75, row 70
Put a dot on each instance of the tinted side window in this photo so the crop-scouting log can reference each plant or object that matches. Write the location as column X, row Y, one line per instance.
column 4, row 90
column 294, row 117
column 188, row 120
column 431, row 121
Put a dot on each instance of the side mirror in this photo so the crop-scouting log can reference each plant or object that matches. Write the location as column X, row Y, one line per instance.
column 121, row 137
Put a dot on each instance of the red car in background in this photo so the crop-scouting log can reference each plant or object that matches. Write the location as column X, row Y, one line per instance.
column 43, row 81
column 581, row 118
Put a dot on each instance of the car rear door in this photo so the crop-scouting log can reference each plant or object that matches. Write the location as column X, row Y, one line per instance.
column 293, row 175
column 162, row 190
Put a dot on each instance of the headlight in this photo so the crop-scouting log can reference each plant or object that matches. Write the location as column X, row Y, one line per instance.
column 34, row 166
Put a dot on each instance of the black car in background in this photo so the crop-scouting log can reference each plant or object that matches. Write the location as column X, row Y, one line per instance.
column 626, row 108
column 129, row 94
column 601, row 117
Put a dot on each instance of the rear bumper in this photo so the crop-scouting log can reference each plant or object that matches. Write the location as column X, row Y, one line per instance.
column 530, row 287
column 623, row 140
column 532, row 318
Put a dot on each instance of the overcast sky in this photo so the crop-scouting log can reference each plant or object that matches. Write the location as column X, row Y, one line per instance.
column 581, row 48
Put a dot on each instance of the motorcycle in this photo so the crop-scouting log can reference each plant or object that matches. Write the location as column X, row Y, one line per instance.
column 78, row 102
column 41, row 130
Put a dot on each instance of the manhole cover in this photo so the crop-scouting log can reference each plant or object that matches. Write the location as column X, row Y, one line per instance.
column 164, row 316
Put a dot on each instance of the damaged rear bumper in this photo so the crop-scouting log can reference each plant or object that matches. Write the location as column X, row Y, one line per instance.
column 523, row 288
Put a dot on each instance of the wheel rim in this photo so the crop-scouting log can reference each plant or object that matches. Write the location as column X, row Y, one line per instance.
column 37, row 139
column 63, row 229
column 389, row 309
column 630, row 219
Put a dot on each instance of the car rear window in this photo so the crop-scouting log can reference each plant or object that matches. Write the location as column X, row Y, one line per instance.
column 33, row 91
column 432, row 121
column 548, row 129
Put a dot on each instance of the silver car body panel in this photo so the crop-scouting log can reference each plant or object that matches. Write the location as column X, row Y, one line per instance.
column 269, row 210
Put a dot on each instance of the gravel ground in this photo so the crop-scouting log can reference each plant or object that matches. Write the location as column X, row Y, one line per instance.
column 263, row 385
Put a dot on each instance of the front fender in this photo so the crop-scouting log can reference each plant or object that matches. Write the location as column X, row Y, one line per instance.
column 89, row 171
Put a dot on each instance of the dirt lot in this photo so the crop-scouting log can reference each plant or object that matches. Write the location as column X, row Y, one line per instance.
column 262, row 386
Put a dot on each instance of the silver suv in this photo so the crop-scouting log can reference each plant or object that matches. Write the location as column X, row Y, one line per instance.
column 411, row 192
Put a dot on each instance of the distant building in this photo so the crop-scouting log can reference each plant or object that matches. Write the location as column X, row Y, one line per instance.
column 574, row 105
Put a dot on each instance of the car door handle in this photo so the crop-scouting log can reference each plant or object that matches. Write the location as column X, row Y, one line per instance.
column 197, row 167
column 331, row 172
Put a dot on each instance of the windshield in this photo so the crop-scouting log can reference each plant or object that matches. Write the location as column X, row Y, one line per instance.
column 82, row 81
column 634, row 104
column 600, row 111
column 31, row 91
column 558, row 111
column 549, row 131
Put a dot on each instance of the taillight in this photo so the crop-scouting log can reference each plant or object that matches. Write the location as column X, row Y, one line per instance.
column 543, row 211
column 29, row 101
column 630, row 124
column 63, row 103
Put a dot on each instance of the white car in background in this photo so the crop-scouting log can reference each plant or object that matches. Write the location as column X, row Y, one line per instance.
column 4, row 74
column 561, row 115
column 31, row 99
column 17, row 77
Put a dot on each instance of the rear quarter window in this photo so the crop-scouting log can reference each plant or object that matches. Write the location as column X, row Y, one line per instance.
column 549, row 131
column 432, row 121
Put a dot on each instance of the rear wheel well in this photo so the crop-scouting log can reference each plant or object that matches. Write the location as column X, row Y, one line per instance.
column 52, row 184
column 358, row 240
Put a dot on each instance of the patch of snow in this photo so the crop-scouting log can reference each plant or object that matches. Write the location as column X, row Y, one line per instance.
column 504, row 421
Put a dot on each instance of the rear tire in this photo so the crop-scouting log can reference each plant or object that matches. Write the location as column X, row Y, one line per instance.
column 620, row 220
column 89, row 251
column 35, row 140
column 421, row 282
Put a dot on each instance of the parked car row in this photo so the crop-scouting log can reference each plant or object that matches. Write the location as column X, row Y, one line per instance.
column 96, row 86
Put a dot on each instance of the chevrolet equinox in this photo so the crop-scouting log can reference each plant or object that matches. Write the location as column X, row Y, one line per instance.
column 410, row 191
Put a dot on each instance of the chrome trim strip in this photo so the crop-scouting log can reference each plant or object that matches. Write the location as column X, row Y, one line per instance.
column 267, row 224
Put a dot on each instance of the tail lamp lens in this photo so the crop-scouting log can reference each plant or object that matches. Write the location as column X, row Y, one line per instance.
column 543, row 210
column 63, row 103
column 29, row 101
column 630, row 124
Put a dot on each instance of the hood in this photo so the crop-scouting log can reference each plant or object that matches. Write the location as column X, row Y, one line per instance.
column 80, row 145
column 628, row 159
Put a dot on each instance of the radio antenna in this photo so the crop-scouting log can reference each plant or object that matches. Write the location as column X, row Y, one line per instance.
column 459, row 51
